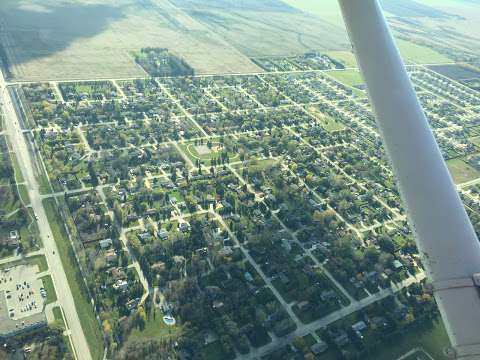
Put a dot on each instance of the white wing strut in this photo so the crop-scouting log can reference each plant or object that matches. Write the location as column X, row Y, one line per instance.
column 445, row 237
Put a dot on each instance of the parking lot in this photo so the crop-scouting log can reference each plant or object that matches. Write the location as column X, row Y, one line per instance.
column 22, row 291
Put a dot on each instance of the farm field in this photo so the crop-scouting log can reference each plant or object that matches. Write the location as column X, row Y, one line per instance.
column 329, row 10
column 347, row 58
column 413, row 53
column 457, row 72
column 256, row 29
column 104, row 46
column 101, row 36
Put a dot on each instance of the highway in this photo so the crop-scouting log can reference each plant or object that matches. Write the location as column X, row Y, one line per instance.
column 28, row 166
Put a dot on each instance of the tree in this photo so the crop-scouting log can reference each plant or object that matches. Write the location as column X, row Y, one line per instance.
column 141, row 318
column 386, row 244
column 92, row 173
column 299, row 343
column 371, row 255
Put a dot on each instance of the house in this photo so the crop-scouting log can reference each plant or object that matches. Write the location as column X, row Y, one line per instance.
column 145, row 236
column 284, row 279
column 132, row 217
column 151, row 212
column 118, row 273
column 105, row 243
column 217, row 304
column 160, row 266
column 163, row 234
column 379, row 321
column 303, row 304
column 14, row 235
column 226, row 251
column 286, row 245
column 248, row 276
column 319, row 347
column 120, row 284
column 132, row 304
column 326, row 295
column 184, row 227
column 397, row 264
column 12, row 242
column 341, row 339
column 358, row 327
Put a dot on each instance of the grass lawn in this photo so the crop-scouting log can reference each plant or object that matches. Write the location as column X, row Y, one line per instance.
column 202, row 153
column 461, row 171
column 23, row 192
column 57, row 313
column 9, row 200
column 48, row 285
column 39, row 260
column 350, row 78
column 475, row 140
column 347, row 58
column 347, row 77
column 309, row 340
column 255, row 164
column 16, row 167
column 420, row 54
column 327, row 122
column 213, row 351
column 44, row 185
column 433, row 340
column 82, row 303
column 155, row 328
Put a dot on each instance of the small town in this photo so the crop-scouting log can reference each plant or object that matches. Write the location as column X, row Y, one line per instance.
column 219, row 217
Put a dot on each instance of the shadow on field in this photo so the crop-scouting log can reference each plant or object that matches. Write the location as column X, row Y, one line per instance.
column 35, row 30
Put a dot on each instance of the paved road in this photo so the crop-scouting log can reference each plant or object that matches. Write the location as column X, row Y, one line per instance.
column 27, row 165
column 21, row 257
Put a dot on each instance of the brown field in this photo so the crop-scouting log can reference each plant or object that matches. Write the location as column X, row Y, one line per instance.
column 94, row 39
column 266, row 28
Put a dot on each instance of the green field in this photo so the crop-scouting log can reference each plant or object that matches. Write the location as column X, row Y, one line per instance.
column 329, row 10
column 195, row 153
column 350, row 78
column 77, row 286
column 155, row 328
column 347, row 77
column 420, row 54
column 461, row 171
column 475, row 140
column 23, row 192
column 347, row 58
column 327, row 122
column 432, row 339
column 57, row 313
column 16, row 167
